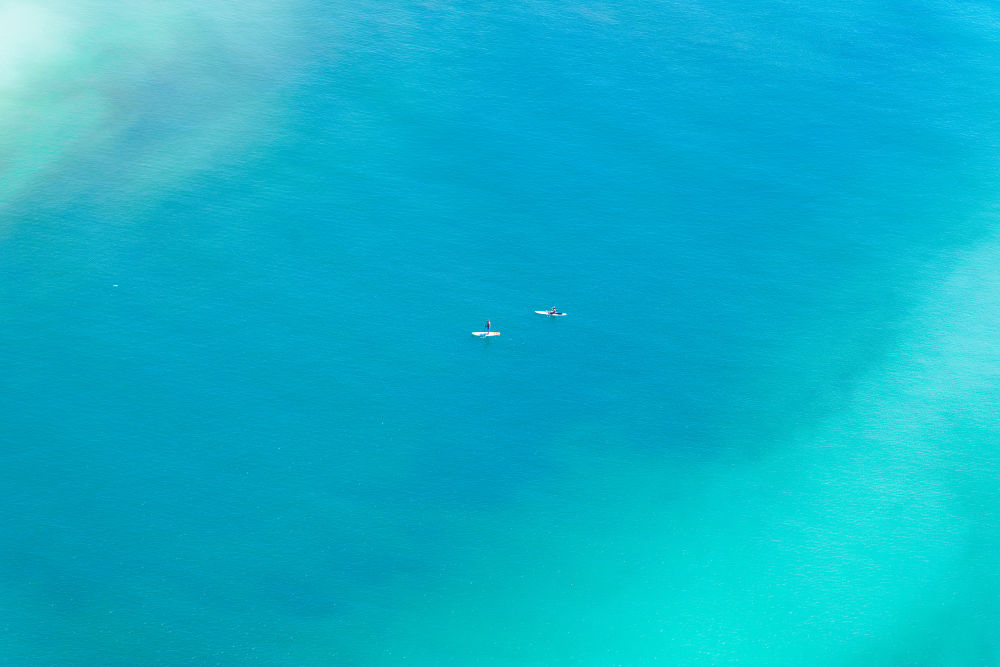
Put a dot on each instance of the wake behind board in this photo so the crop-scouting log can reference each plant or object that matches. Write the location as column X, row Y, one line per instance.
column 484, row 334
column 545, row 312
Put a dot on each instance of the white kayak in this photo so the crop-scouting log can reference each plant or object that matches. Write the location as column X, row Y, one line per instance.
column 550, row 314
column 484, row 334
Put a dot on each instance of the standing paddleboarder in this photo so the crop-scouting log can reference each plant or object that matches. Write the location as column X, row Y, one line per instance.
column 487, row 327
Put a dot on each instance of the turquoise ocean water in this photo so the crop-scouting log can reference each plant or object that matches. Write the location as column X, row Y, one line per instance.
column 242, row 247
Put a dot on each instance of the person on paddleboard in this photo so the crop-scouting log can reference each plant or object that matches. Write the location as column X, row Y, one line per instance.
column 487, row 327
column 553, row 311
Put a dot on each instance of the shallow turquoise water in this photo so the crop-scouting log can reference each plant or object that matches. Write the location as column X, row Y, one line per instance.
column 245, row 423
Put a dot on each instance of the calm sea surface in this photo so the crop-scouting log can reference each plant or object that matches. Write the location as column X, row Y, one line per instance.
column 243, row 246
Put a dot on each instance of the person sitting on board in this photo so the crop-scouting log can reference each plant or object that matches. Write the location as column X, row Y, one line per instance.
column 553, row 311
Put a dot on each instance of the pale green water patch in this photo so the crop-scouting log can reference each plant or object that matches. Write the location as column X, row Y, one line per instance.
column 111, row 104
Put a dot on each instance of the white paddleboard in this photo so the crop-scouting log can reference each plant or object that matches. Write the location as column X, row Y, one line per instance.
column 545, row 312
column 484, row 334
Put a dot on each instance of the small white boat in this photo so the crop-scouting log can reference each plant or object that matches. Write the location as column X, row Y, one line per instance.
column 550, row 313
